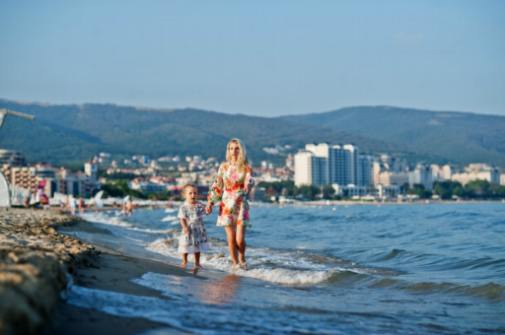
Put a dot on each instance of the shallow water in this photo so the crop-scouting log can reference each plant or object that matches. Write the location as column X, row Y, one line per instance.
column 390, row 269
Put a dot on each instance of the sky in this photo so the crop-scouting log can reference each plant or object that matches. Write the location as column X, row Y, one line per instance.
column 263, row 57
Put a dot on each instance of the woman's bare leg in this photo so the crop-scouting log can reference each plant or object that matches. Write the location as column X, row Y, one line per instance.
column 232, row 245
column 240, row 240
column 197, row 263
column 197, row 259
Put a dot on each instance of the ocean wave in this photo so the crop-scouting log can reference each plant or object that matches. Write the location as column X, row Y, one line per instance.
column 489, row 291
column 112, row 219
column 290, row 268
column 105, row 218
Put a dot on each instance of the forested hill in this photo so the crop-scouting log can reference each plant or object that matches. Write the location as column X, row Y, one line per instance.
column 458, row 137
column 71, row 133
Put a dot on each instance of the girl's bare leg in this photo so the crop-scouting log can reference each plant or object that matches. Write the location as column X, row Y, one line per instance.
column 232, row 245
column 184, row 261
column 240, row 240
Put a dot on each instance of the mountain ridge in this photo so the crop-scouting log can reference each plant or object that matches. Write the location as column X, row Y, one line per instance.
column 79, row 131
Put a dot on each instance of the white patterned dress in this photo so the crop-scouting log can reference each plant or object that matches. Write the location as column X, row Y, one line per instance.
column 196, row 240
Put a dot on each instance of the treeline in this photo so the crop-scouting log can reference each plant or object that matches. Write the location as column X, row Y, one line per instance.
column 477, row 189
column 288, row 189
column 120, row 189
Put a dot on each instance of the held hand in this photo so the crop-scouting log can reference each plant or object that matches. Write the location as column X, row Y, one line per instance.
column 185, row 230
column 208, row 209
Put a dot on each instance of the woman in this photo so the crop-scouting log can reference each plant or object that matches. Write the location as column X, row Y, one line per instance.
column 230, row 190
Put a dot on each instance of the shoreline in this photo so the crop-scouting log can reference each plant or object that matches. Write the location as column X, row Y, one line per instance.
column 35, row 261
column 311, row 203
column 111, row 272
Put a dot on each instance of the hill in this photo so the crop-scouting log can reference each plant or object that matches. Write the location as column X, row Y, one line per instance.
column 72, row 133
column 455, row 136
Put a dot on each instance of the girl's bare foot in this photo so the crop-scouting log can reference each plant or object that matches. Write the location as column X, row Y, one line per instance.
column 243, row 266
column 184, row 264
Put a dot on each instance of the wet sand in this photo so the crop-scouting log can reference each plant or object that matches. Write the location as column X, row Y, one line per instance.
column 37, row 263
column 111, row 272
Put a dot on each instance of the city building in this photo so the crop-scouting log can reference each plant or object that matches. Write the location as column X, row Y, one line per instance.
column 421, row 175
column 324, row 164
column 478, row 172
column 12, row 158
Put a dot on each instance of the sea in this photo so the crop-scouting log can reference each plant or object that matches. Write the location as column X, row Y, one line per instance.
column 335, row 269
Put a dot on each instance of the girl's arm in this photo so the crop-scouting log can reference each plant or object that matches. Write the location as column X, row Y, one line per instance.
column 182, row 220
column 184, row 226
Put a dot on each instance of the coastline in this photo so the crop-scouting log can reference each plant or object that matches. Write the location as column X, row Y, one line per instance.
column 110, row 272
column 35, row 261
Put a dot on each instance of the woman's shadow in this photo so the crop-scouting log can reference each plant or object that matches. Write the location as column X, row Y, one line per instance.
column 219, row 292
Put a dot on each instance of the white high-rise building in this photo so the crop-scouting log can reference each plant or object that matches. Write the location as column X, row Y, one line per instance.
column 422, row 175
column 324, row 164
column 303, row 168
column 319, row 150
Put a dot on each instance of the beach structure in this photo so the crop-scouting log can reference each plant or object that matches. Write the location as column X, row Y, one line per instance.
column 5, row 200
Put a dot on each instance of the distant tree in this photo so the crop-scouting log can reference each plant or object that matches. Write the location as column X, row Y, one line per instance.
column 308, row 191
column 420, row 191
column 328, row 192
column 120, row 189
column 446, row 189
column 478, row 189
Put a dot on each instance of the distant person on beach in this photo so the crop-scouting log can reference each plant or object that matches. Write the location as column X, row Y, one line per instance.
column 193, row 239
column 127, row 206
column 81, row 205
column 71, row 204
column 230, row 190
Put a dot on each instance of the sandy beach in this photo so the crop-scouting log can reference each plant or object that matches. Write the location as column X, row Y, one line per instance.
column 112, row 272
column 36, row 265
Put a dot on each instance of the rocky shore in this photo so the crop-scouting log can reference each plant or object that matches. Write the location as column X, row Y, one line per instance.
column 34, row 262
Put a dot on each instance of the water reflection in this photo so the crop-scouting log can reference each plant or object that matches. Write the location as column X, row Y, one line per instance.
column 219, row 292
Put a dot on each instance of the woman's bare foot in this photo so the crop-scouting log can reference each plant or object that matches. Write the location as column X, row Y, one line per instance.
column 243, row 266
column 196, row 269
column 184, row 264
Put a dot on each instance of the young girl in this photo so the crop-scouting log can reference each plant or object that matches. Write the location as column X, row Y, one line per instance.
column 193, row 239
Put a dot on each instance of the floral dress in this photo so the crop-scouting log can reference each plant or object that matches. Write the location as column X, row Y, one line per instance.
column 196, row 240
column 228, row 189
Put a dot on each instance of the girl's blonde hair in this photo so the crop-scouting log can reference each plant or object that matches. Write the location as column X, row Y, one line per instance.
column 185, row 188
column 242, row 156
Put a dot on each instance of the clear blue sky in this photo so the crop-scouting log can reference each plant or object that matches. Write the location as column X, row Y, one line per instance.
column 256, row 57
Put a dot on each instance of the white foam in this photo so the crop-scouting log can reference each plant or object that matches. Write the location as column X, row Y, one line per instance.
column 170, row 218
column 116, row 220
column 104, row 218
column 279, row 273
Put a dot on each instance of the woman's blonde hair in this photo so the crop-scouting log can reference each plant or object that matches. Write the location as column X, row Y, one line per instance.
column 242, row 156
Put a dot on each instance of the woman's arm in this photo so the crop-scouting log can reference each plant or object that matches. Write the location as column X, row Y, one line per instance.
column 216, row 189
column 248, row 180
